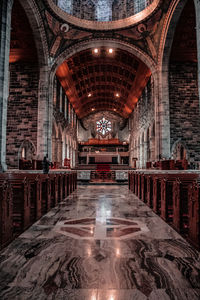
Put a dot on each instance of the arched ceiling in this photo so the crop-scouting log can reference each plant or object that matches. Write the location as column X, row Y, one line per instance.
column 103, row 81
column 22, row 45
column 184, row 46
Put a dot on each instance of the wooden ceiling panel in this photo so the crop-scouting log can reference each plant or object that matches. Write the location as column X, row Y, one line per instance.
column 103, row 81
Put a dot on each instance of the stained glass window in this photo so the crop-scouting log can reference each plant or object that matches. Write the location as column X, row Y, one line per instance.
column 103, row 126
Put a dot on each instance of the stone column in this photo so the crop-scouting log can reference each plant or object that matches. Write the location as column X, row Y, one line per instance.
column 197, row 6
column 54, row 149
column 45, row 113
column 63, row 152
column 152, row 148
column 141, row 154
column 5, row 27
column 145, row 143
column 60, row 105
column 60, row 151
column 65, row 112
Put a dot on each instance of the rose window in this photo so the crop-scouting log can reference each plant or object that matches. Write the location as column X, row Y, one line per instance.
column 103, row 127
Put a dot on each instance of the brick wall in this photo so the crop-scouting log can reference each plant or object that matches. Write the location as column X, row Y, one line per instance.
column 184, row 106
column 22, row 109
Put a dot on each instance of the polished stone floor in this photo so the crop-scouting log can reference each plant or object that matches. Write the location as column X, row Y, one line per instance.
column 101, row 243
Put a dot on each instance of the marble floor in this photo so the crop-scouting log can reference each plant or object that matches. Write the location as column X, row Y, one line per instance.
column 101, row 243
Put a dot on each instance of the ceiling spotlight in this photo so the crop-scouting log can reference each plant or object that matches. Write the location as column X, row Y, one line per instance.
column 89, row 95
column 114, row 109
column 110, row 50
column 92, row 109
column 96, row 50
column 117, row 94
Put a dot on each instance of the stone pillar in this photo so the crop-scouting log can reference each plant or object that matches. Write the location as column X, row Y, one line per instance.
column 145, row 154
column 54, row 143
column 5, row 27
column 152, row 148
column 60, row 151
column 60, row 105
column 45, row 113
column 197, row 6
column 145, row 144
column 63, row 152
column 65, row 112
column 141, row 154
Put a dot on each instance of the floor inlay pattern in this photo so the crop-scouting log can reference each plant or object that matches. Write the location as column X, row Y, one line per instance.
column 101, row 243
column 100, row 228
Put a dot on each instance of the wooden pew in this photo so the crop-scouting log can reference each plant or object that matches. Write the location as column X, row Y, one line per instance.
column 136, row 184
column 157, row 194
column 45, row 193
column 21, row 201
column 150, row 191
column 65, row 185
column 54, row 189
column 180, row 202
column 129, row 180
column 144, row 188
column 60, row 187
column 6, row 213
column 75, row 178
column 70, row 183
column 194, row 214
column 140, row 185
column 166, row 205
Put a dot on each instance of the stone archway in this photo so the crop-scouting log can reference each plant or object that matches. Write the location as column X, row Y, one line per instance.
column 167, row 36
column 146, row 59
column 44, row 124
column 178, row 74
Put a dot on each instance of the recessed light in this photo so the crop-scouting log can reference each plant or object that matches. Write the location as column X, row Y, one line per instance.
column 110, row 50
column 92, row 109
column 96, row 50
column 117, row 94
column 89, row 95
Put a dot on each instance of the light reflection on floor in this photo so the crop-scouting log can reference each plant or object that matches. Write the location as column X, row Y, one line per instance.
column 101, row 243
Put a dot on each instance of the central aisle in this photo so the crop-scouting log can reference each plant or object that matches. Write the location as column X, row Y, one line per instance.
column 101, row 243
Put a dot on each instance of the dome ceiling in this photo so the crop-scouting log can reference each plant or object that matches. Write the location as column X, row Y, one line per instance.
column 103, row 81
column 103, row 10
column 103, row 14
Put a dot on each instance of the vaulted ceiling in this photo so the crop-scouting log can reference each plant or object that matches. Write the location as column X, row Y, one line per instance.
column 103, row 81
column 22, row 46
column 184, row 46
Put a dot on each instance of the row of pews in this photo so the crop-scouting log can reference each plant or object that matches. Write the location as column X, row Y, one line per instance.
column 174, row 196
column 25, row 197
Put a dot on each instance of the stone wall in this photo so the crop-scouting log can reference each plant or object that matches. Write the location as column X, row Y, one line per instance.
column 22, row 109
column 184, row 107
column 142, row 135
